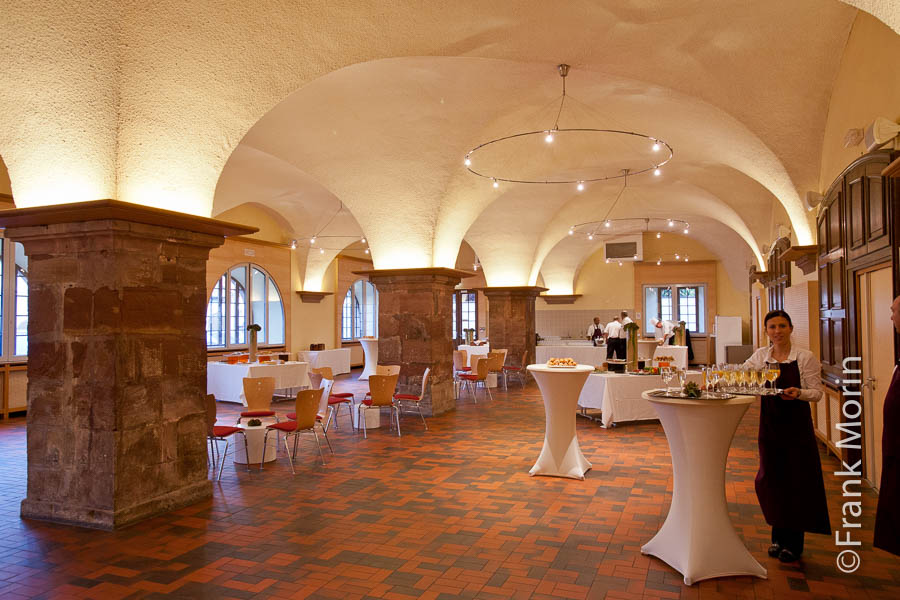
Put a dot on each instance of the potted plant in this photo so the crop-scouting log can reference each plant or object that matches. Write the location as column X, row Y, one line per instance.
column 253, row 329
column 470, row 335
column 679, row 333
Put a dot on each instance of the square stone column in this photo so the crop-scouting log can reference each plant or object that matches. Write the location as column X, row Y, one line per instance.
column 116, row 359
column 414, row 329
column 511, row 320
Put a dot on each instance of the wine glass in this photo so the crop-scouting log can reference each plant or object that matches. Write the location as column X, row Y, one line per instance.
column 772, row 373
column 752, row 381
column 667, row 374
column 681, row 374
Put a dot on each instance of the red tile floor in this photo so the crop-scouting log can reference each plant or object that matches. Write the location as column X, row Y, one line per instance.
column 447, row 513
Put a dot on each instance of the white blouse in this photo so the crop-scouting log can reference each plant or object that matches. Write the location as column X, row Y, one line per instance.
column 811, row 388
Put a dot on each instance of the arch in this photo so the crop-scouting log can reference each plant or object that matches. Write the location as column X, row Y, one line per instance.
column 245, row 294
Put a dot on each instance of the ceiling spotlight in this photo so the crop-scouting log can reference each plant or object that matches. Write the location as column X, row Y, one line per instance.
column 671, row 223
column 590, row 236
column 293, row 244
column 475, row 266
column 677, row 257
column 607, row 223
column 468, row 161
column 607, row 261
column 685, row 259
column 496, row 185
column 620, row 263
column 312, row 240
column 362, row 241
column 580, row 186
column 367, row 250
column 685, row 230
column 571, row 231
column 658, row 235
column 549, row 137
column 656, row 146
column 657, row 172
column 635, row 257
column 658, row 261
column 321, row 250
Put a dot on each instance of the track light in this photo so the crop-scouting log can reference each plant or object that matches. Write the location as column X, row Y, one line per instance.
column 571, row 231
column 496, row 185
column 580, row 186
column 312, row 240
column 468, row 161
column 657, row 172
column 549, row 137
column 293, row 244
column 658, row 235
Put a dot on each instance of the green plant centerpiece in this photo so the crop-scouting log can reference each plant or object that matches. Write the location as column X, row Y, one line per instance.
column 470, row 335
column 254, row 422
column 691, row 389
column 254, row 329
column 680, row 335
column 631, row 346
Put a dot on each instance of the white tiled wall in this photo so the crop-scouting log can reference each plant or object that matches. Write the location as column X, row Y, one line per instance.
column 572, row 323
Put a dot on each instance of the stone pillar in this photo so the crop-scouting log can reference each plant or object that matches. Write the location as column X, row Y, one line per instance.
column 414, row 329
column 511, row 320
column 116, row 359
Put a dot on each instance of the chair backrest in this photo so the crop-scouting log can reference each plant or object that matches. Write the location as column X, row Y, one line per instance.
column 326, row 393
column 459, row 360
column 495, row 360
column 482, row 367
column 524, row 359
column 210, row 403
column 325, row 372
column 382, row 389
column 315, row 379
column 307, row 404
column 425, row 377
column 258, row 392
column 387, row 370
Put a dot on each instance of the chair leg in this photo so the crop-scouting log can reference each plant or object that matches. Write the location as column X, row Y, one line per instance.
column 487, row 387
column 360, row 419
column 246, row 450
column 327, row 422
column 322, row 456
column 397, row 409
column 222, row 465
column 419, row 405
column 288, row 450
column 263, row 457
column 296, row 437
column 327, row 441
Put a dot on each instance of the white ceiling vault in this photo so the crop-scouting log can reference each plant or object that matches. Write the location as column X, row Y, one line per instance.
column 387, row 137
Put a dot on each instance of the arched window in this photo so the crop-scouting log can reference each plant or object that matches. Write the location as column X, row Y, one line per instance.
column 13, row 299
column 359, row 313
column 245, row 294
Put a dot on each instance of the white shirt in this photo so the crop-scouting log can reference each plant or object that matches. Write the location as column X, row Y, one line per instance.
column 622, row 332
column 666, row 331
column 592, row 328
column 613, row 328
column 810, row 369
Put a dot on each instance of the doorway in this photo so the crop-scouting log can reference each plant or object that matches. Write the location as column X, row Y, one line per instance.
column 876, row 334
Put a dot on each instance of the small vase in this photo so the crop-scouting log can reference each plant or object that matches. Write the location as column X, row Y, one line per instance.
column 252, row 346
column 469, row 337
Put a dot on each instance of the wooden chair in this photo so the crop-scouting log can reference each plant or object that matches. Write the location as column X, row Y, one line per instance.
column 386, row 371
column 460, row 362
column 482, row 368
column 519, row 371
column 496, row 358
column 306, row 416
column 258, row 392
column 381, row 394
column 417, row 400
column 335, row 399
column 219, row 433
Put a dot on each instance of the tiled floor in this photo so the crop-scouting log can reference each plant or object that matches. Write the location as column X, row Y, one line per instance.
column 447, row 513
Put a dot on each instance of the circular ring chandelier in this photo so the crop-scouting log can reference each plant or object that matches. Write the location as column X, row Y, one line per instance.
column 627, row 225
column 551, row 134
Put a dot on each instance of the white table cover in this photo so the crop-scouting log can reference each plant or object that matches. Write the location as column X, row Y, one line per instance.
column 370, row 350
column 679, row 353
column 255, row 437
column 226, row 381
column 583, row 355
column 561, row 455
column 619, row 398
column 697, row 538
column 472, row 351
column 338, row 359
column 646, row 348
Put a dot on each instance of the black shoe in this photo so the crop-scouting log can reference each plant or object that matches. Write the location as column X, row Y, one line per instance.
column 787, row 556
column 774, row 550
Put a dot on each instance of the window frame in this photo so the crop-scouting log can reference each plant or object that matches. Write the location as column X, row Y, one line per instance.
column 456, row 330
column 9, row 276
column 700, row 300
column 225, row 281
column 355, row 316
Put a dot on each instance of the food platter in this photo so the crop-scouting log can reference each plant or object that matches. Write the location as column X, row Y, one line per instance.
column 561, row 366
column 682, row 396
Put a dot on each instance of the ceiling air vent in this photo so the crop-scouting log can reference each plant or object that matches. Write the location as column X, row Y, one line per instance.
column 625, row 248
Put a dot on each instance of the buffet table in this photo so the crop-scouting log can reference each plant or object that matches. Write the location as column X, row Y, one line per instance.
column 560, row 456
column 697, row 538
column 646, row 348
column 619, row 396
column 473, row 351
column 338, row 359
column 226, row 382
column 583, row 355
column 679, row 353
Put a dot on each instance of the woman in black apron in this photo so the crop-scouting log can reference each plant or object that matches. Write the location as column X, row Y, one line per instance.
column 887, row 519
column 789, row 483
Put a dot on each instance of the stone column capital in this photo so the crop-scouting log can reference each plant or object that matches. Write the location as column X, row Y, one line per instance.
column 522, row 290
column 422, row 275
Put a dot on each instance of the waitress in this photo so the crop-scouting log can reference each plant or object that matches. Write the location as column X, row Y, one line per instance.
column 789, row 483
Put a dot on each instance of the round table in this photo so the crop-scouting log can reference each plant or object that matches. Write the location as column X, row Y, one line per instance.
column 697, row 538
column 561, row 456
column 370, row 350
column 255, row 437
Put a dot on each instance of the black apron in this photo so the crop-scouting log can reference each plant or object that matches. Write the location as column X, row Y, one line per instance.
column 789, row 483
column 887, row 519
column 597, row 336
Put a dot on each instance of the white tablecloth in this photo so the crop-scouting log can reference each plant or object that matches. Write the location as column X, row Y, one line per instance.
column 561, row 455
column 583, row 355
column 618, row 396
column 472, row 351
column 679, row 353
column 697, row 538
column 226, row 381
column 338, row 359
column 646, row 348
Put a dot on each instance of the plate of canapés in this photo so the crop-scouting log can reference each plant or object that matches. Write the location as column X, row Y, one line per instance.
column 562, row 363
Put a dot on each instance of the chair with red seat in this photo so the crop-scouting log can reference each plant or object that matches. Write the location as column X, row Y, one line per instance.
column 219, row 433
column 306, row 410
column 482, row 368
column 381, row 394
column 519, row 371
column 417, row 400
column 258, row 393
column 335, row 400
column 386, row 370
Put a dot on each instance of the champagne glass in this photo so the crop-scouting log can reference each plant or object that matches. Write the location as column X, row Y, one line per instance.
column 667, row 375
column 772, row 373
column 681, row 374
column 752, row 381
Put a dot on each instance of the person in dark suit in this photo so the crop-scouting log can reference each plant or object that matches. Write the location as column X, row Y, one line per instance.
column 887, row 519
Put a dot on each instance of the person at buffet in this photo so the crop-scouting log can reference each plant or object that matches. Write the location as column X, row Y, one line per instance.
column 665, row 331
column 595, row 332
column 789, row 483
column 611, row 333
column 887, row 519
column 621, row 341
